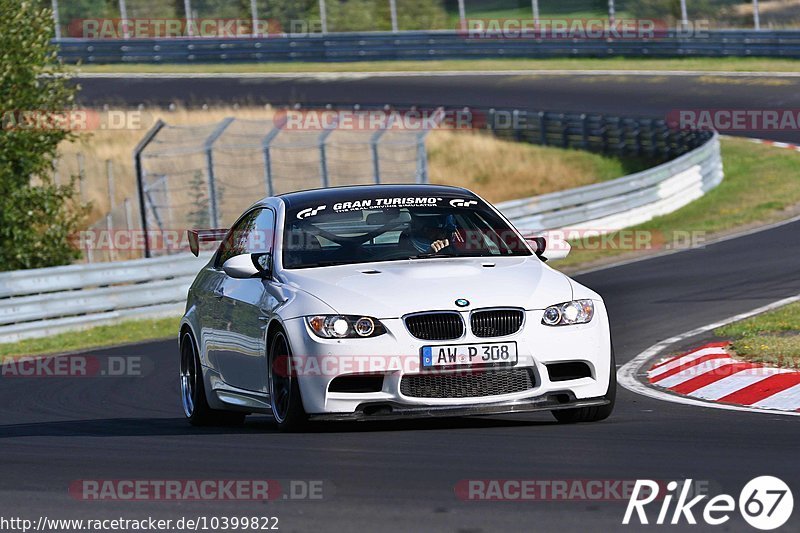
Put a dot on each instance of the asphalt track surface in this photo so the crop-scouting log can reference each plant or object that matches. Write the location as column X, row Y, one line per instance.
column 628, row 95
column 400, row 476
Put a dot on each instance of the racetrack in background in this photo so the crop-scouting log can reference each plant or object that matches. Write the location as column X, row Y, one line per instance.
column 626, row 95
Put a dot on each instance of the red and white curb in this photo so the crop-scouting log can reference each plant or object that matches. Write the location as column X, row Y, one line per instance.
column 710, row 373
column 777, row 144
column 633, row 375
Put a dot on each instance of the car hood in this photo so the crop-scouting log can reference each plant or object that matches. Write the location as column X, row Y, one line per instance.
column 393, row 289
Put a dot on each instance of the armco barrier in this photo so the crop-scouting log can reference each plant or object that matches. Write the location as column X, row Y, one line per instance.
column 423, row 45
column 41, row 302
column 46, row 301
column 624, row 201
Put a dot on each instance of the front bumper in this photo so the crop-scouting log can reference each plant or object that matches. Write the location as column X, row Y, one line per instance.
column 537, row 346
column 392, row 411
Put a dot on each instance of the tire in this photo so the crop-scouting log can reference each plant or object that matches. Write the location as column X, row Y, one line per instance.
column 193, row 391
column 284, row 391
column 594, row 413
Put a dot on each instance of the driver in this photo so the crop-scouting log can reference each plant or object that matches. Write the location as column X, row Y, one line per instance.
column 427, row 234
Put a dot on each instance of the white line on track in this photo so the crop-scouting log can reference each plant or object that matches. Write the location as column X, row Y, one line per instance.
column 427, row 74
column 631, row 374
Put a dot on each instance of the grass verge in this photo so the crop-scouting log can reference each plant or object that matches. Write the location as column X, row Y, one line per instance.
column 772, row 337
column 97, row 337
column 726, row 64
column 502, row 170
column 761, row 185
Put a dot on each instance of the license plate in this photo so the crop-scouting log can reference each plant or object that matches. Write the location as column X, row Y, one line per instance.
column 504, row 353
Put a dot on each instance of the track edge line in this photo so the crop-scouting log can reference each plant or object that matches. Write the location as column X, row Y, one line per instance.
column 630, row 374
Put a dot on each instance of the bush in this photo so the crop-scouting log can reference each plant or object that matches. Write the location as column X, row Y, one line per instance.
column 37, row 217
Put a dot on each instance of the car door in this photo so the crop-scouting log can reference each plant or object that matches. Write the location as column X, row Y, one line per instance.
column 246, row 306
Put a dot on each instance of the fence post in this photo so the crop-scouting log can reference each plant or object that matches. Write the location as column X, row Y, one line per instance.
column 376, row 164
column 56, row 20
column 110, row 229
column 756, row 17
column 128, row 214
column 126, row 203
column 81, row 176
column 111, row 188
column 254, row 18
column 422, row 155
column 374, row 140
column 323, row 158
column 187, row 9
column 213, row 211
column 123, row 14
column 684, row 15
column 323, row 17
column 422, row 160
column 393, row 12
column 265, row 147
column 137, row 163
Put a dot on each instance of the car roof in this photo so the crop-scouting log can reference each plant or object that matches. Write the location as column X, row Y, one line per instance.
column 355, row 192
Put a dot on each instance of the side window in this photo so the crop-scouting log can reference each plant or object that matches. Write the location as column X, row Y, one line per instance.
column 262, row 238
column 252, row 234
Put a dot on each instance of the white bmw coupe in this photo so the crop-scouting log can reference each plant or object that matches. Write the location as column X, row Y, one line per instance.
column 386, row 302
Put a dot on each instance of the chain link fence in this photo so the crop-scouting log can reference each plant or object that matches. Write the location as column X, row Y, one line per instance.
column 205, row 176
column 249, row 18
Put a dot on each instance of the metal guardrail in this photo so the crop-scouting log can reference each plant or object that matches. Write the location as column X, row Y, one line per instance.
column 625, row 201
column 41, row 302
column 423, row 45
column 47, row 301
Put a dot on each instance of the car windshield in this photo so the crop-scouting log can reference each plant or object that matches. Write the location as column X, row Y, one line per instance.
column 367, row 230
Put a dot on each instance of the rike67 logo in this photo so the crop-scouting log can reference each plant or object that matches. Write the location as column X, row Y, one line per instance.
column 765, row 503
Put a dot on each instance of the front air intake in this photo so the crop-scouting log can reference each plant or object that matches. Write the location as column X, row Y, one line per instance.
column 496, row 322
column 435, row 326
column 470, row 384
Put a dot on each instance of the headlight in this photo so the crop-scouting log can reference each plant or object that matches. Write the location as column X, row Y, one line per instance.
column 344, row 326
column 568, row 313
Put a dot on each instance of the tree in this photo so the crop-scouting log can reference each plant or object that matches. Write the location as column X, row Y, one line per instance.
column 37, row 217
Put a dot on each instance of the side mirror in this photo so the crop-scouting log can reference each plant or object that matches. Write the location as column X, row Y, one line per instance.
column 554, row 249
column 247, row 266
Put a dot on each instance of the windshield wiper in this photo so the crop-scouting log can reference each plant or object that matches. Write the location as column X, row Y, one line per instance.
column 323, row 264
column 429, row 256
column 450, row 256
